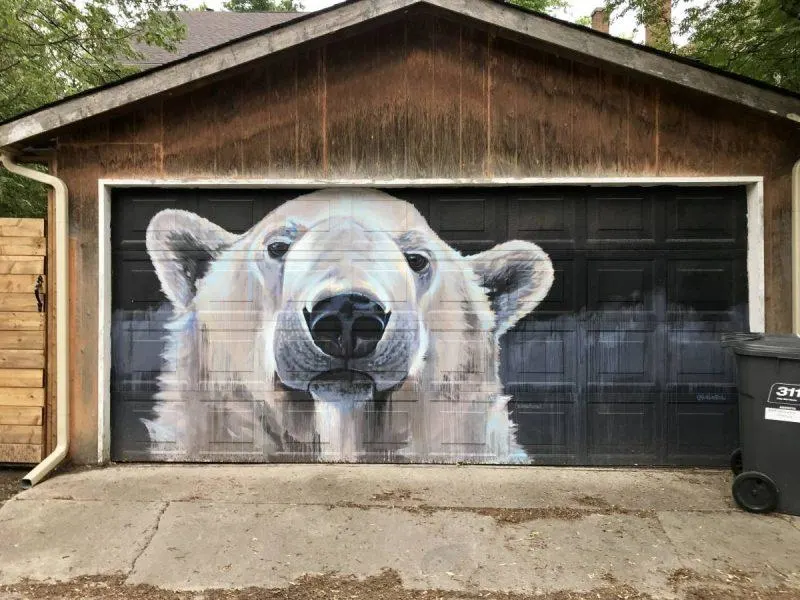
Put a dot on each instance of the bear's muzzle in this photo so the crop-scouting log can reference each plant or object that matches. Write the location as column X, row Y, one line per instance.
column 348, row 387
column 347, row 326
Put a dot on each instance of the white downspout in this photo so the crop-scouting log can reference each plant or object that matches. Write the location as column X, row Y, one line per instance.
column 796, row 248
column 59, row 453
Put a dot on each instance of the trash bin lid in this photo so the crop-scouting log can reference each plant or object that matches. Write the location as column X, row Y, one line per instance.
column 758, row 344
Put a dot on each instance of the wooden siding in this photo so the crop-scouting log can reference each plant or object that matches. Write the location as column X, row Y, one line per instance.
column 423, row 96
column 22, row 341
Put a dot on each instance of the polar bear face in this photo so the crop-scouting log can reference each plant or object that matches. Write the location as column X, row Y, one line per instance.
column 356, row 276
column 350, row 296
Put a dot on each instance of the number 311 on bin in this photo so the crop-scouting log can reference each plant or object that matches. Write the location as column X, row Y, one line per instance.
column 783, row 392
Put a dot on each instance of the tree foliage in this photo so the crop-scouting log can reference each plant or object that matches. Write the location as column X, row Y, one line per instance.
column 755, row 38
column 53, row 48
column 263, row 5
column 543, row 6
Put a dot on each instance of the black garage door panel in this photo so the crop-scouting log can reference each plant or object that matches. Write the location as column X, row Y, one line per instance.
column 620, row 364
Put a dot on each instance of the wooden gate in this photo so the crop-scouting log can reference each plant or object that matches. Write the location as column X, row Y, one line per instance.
column 22, row 339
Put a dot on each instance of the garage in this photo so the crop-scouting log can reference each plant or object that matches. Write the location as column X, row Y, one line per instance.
column 619, row 363
column 409, row 231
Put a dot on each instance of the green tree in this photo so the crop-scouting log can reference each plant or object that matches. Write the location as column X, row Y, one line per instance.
column 263, row 5
column 755, row 38
column 543, row 6
column 53, row 48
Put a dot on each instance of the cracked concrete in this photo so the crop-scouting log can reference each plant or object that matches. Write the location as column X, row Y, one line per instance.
column 62, row 539
column 272, row 545
column 527, row 530
column 149, row 537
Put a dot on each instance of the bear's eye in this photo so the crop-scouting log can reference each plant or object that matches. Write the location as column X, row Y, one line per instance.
column 417, row 262
column 277, row 249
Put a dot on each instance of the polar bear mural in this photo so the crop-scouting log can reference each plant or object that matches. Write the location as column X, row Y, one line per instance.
column 338, row 328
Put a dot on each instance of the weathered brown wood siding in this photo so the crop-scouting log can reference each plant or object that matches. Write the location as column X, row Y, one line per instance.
column 421, row 97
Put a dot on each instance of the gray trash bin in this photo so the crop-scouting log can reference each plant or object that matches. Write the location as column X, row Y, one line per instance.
column 769, row 422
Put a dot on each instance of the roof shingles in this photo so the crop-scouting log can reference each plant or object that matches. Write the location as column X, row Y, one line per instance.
column 206, row 29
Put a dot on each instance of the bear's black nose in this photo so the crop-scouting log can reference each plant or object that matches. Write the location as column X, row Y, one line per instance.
column 347, row 326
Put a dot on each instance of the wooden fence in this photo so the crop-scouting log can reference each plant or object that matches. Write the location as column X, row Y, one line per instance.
column 22, row 340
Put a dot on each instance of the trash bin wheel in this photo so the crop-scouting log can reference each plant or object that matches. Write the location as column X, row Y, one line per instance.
column 755, row 492
column 736, row 461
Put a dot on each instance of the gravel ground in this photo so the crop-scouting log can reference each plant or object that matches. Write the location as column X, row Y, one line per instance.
column 9, row 482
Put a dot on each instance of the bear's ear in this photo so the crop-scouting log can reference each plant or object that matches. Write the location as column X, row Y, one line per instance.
column 181, row 244
column 517, row 276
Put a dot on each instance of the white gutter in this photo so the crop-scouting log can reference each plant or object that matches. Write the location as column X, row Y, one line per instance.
column 59, row 453
column 796, row 248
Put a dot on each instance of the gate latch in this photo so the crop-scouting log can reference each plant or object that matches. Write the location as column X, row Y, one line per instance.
column 37, row 292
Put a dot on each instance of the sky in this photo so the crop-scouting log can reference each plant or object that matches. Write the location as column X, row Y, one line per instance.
column 624, row 26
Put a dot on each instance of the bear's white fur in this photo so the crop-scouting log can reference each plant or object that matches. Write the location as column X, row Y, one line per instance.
column 240, row 363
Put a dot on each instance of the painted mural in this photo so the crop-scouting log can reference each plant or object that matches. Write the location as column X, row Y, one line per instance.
column 339, row 328
column 519, row 325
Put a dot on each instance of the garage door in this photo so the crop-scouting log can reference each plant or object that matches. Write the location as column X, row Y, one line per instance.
column 516, row 325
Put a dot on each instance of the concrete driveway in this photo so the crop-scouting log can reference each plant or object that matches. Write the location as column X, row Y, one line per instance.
column 329, row 531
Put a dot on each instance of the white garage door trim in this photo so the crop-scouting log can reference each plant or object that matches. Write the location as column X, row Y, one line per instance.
column 755, row 242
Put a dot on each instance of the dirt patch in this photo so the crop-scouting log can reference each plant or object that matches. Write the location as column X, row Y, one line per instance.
column 739, row 576
column 733, row 584
column 401, row 495
column 386, row 586
column 689, row 478
column 609, row 578
column 510, row 516
column 594, row 501
column 703, row 477
column 740, row 593
column 9, row 482
column 561, row 513
column 683, row 576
